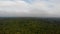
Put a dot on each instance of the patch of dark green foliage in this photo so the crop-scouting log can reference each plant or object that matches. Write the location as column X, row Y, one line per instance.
column 29, row 26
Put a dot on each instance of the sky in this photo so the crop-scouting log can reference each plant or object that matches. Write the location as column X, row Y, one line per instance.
column 29, row 8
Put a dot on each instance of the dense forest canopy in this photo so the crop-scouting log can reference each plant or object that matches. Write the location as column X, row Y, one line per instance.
column 29, row 25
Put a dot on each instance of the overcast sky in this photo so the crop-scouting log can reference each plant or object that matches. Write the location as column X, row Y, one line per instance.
column 30, row 8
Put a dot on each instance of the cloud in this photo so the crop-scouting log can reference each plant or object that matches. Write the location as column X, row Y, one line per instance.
column 37, row 8
column 13, row 8
column 49, row 8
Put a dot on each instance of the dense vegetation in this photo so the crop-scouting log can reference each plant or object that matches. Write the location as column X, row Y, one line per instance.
column 29, row 26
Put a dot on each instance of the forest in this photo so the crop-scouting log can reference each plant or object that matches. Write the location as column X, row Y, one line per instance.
column 29, row 25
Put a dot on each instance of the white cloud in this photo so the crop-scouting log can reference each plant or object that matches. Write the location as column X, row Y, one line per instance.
column 46, row 9
column 13, row 8
column 38, row 8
